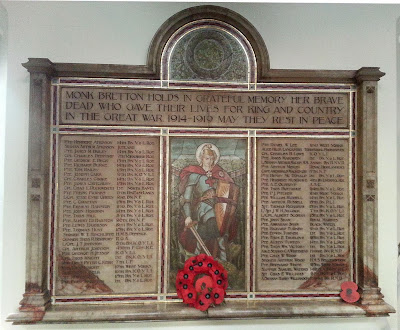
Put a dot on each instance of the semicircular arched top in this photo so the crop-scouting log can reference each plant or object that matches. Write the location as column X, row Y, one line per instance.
column 208, row 50
column 208, row 43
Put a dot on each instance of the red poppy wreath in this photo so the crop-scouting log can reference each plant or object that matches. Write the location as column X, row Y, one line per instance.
column 202, row 282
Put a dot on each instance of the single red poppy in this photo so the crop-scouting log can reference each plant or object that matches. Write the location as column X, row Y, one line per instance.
column 190, row 267
column 189, row 295
column 217, row 270
column 185, row 276
column 349, row 292
column 202, row 303
column 220, row 281
column 218, row 295
column 186, row 286
column 206, row 294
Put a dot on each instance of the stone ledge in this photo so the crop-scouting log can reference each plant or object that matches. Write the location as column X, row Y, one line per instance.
column 79, row 313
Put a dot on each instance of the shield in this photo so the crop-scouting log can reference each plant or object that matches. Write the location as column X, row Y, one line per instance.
column 227, row 195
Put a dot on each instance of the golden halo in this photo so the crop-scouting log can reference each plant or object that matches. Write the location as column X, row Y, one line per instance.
column 199, row 152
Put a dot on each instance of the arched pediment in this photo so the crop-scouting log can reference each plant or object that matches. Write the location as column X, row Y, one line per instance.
column 208, row 43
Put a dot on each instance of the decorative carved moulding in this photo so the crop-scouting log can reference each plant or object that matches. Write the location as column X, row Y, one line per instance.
column 205, row 149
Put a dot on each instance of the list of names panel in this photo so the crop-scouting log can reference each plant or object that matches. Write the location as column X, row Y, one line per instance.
column 303, row 213
column 107, row 237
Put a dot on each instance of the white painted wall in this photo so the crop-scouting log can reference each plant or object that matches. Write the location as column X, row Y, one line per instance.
column 297, row 36
column 3, row 93
column 398, row 168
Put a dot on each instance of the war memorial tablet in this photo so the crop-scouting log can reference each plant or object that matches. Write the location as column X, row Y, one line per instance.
column 205, row 151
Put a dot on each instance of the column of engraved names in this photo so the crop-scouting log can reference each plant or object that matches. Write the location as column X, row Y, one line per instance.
column 86, row 203
column 303, row 213
column 328, row 168
column 282, row 227
column 137, row 212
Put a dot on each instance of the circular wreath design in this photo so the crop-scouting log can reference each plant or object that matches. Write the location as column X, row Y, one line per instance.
column 202, row 282
column 209, row 54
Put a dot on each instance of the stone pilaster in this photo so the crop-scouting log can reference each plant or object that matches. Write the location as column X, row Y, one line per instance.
column 36, row 297
column 367, row 279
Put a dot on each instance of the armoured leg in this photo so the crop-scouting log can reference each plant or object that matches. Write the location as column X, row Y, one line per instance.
column 222, row 248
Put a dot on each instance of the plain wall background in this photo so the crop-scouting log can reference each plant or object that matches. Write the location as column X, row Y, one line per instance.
column 298, row 36
column 3, row 93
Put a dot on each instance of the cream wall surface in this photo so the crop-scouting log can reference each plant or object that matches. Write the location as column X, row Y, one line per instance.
column 298, row 36
column 3, row 92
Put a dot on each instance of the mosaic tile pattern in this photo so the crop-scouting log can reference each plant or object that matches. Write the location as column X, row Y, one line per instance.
column 208, row 54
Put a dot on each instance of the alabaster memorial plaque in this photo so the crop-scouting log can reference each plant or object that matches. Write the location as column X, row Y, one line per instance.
column 133, row 170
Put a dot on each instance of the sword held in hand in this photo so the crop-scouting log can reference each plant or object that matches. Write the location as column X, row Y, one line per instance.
column 191, row 226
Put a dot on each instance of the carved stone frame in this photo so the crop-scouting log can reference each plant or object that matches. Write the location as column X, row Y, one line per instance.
column 36, row 303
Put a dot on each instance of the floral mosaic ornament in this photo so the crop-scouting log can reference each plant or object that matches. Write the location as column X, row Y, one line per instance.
column 202, row 282
column 349, row 292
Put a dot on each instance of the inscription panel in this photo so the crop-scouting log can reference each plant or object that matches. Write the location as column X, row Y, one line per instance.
column 107, row 237
column 303, row 214
column 189, row 108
